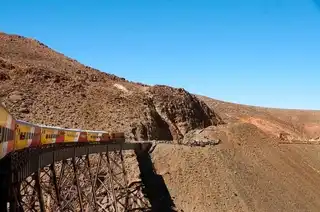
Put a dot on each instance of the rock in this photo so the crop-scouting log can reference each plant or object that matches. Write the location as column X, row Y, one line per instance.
column 93, row 78
column 15, row 97
column 181, row 110
column 24, row 110
column 285, row 136
column 4, row 76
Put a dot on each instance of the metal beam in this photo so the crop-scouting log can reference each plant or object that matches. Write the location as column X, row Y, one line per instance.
column 63, row 178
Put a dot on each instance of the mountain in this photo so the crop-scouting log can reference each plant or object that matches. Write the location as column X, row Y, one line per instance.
column 46, row 87
column 247, row 168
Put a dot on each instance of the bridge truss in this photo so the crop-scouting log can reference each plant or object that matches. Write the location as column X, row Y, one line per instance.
column 71, row 178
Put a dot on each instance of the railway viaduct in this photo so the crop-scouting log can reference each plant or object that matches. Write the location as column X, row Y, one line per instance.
column 82, row 177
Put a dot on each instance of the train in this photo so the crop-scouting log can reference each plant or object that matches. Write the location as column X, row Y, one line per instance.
column 17, row 135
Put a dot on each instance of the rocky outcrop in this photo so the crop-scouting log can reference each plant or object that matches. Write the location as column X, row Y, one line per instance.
column 171, row 114
column 181, row 110
column 285, row 136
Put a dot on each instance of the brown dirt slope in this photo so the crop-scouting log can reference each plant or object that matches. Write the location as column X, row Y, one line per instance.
column 247, row 170
column 299, row 124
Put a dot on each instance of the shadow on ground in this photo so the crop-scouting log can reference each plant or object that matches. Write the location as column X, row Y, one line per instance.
column 154, row 187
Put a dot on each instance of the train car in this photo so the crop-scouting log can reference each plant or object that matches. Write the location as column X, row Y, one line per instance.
column 94, row 136
column 105, row 137
column 7, row 127
column 18, row 134
column 75, row 135
column 26, row 135
column 83, row 137
column 117, row 136
column 51, row 135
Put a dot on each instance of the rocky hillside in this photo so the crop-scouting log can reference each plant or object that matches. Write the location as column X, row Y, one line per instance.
column 298, row 125
column 244, row 168
column 43, row 86
column 246, row 172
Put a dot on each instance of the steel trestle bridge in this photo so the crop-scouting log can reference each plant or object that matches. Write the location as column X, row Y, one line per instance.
column 44, row 168
column 78, row 177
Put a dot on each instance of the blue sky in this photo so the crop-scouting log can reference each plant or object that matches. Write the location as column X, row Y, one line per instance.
column 257, row 52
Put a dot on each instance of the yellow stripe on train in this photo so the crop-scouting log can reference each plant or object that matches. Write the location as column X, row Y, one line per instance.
column 6, row 132
column 26, row 135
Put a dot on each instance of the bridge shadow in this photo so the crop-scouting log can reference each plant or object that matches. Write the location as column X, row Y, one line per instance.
column 4, row 182
column 154, row 187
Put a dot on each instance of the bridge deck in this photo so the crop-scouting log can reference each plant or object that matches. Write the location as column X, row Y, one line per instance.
column 30, row 160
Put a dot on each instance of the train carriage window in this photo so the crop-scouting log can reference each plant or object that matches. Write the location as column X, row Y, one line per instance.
column 8, row 135
column 1, row 133
column 22, row 136
column 5, row 134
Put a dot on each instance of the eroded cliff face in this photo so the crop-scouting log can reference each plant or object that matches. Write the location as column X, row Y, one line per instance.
column 181, row 110
column 171, row 113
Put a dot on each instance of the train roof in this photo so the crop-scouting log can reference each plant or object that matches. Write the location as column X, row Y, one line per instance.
column 58, row 128
column 2, row 106
column 95, row 131
column 51, row 127
column 26, row 123
column 70, row 129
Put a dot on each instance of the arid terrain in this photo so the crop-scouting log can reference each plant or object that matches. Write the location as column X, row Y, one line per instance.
column 258, row 162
